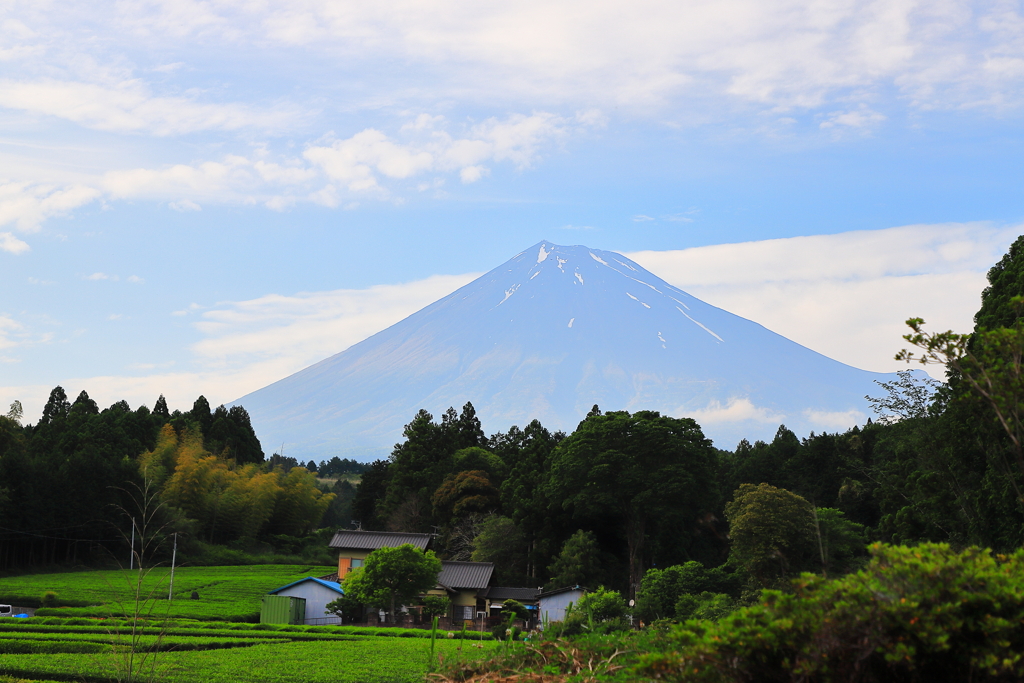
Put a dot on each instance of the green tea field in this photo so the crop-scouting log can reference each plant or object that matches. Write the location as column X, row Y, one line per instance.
column 44, row 649
column 225, row 593
column 209, row 639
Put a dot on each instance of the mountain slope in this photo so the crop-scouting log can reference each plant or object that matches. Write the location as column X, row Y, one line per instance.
column 547, row 335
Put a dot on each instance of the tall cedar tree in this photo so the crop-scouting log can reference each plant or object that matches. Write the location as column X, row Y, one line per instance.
column 639, row 471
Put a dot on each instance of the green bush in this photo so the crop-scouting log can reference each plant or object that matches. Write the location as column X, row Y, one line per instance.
column 711, row 606
column 926, row 613
column 49, row 599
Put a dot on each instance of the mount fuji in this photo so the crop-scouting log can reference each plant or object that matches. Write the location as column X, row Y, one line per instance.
column 547, row 335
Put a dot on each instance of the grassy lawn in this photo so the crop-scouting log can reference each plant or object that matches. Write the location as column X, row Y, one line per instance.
column 225, row 593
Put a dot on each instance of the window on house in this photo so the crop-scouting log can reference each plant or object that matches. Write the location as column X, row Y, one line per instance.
column 357, row 563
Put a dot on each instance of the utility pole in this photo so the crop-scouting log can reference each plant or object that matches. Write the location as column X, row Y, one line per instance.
column 131, row 559
column 174, row 556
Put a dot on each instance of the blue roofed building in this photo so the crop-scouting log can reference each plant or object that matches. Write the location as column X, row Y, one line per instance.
column 316, row 593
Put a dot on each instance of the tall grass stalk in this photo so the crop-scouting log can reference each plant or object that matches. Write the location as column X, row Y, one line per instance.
column 433, row 640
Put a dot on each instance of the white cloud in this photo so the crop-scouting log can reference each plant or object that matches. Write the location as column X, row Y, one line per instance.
column 96, row 277
column 27, row 205
column 129, row 107
column 735, row 410
column 858, row 119
column 845, row 295
column 16, row 334
column 277, row 335
column 135, row 279
column 12, row 244
column 359, row 161
column 834, row 421
column 471, row 174
column 184, row 205
column 215, row 179
column 8, row 329
column 782, row 54
column 367, row 162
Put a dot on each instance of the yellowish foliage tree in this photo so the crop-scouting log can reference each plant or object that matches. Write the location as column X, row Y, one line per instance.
column 228, row 500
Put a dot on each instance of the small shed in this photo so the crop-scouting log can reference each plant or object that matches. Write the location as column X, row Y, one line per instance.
column 552, row 604
column 315, row 593
column 282, row 609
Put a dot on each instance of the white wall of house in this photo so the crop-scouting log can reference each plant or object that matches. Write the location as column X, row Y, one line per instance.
column 552, row 607
column 317, row 597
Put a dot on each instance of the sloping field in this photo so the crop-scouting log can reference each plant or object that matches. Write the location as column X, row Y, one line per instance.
column 225, row 593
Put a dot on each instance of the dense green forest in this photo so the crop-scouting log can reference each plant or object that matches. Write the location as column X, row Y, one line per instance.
column 629, row 501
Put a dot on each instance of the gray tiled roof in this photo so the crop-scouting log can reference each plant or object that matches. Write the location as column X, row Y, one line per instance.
column 371, row 540
column 511, row 593
column 465, row 574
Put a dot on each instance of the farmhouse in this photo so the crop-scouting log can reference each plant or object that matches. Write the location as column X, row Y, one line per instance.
column 353, row 546
column 463, row 583
column 468, row 585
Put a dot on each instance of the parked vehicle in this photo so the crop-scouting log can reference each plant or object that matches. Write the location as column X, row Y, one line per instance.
column 6, row 611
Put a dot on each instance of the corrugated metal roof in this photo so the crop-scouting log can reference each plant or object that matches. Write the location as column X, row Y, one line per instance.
column 511, row 593
column 329, row 584
column 465, row 574
column 371, row 540
column 556, row 591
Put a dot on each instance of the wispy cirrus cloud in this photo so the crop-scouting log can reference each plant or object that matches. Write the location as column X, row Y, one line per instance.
column 131, row 107
column 27, row 205
column 784, row 54
column 845, row 295
column 284, row 333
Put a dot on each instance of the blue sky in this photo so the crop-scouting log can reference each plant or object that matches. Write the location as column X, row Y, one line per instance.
column 203, row 197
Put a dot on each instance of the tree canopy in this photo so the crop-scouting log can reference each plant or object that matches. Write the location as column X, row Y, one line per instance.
column 646, row 471
column 391, row 577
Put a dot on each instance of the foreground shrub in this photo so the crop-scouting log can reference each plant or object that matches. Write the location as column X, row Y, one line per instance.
column 912, row 614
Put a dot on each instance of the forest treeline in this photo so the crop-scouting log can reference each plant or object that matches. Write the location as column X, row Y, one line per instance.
column 627, row 500
column 71, row 484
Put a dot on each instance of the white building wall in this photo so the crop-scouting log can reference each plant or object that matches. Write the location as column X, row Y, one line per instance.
column 317, row 597
column 552, row 607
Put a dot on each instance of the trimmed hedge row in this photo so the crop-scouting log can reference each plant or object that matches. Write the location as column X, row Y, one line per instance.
column 12, row 646
column 181, row 628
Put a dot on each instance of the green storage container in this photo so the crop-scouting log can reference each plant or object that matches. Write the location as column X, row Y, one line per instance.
column 283, row 609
